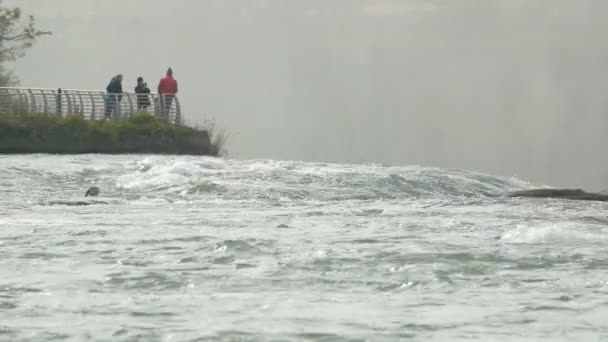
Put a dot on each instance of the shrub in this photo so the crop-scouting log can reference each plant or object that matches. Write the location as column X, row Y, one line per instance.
column 139, row 133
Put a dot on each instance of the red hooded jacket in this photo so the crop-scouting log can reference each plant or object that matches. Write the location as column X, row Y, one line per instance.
column 168, row 85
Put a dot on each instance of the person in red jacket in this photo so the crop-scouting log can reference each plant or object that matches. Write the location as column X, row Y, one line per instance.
column 167, row 88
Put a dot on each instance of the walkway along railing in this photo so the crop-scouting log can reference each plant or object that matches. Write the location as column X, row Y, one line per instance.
column 91, row 104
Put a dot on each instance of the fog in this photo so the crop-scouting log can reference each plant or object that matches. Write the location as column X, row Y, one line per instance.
column 508, row 87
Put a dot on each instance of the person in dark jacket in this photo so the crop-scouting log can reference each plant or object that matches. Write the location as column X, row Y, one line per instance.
column 114, row 95
column 142, row 91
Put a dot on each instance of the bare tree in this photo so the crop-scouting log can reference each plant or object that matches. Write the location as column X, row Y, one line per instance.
column 16, row 36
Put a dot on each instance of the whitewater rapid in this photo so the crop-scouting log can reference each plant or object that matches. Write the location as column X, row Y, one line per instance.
column 195, row 249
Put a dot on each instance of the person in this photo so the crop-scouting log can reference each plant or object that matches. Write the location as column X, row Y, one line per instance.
column 143, row 101
column 114, row 95
column 167, row 88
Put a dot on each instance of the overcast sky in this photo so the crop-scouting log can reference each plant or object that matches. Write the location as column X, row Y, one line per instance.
column 509, row 87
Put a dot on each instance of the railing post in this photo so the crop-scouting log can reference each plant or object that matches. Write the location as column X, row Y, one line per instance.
column 178, row 111
column 67, row 97
column 157, row 106
column 161, row 98
column 32, row 101
column 130, row 105
column 81, row 109
column 17, row 104
column 92, row 106
column 5, row 100
column 59, row 100
column 46, row 104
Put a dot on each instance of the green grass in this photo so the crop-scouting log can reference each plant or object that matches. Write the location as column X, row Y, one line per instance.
column 140, row 133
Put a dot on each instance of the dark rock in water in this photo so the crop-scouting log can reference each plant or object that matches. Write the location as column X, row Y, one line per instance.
column 282, row 226
column 76, row 203
column 571, row 194
column 93, row 191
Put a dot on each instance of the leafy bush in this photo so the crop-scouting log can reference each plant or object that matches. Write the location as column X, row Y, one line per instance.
column 139, row 133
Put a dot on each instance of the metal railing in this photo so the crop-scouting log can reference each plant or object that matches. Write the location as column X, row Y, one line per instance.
column 91, row 104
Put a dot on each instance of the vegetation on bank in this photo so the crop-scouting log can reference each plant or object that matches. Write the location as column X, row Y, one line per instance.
column 140, row 133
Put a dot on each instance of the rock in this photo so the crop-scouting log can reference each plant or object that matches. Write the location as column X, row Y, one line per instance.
column 93, row 191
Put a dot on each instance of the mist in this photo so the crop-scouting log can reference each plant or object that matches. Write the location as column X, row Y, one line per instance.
column 508, row 87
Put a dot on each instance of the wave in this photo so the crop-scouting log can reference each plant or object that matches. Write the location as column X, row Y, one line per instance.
column 192, row 178
column 557, row 233
column 294, row 181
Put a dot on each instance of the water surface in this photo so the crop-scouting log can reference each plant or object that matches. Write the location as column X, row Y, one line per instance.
column 197, row 249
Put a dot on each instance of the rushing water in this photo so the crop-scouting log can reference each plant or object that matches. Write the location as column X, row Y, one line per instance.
column 197, row 249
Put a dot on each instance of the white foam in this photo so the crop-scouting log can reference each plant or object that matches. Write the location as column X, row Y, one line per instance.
column 565, row 232
column 155, row 175
column 157, row 172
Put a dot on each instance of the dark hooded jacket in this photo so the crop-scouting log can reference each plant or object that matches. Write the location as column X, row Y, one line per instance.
column 115, row 87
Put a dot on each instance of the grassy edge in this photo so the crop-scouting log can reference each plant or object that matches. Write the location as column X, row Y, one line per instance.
column 139, row 133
